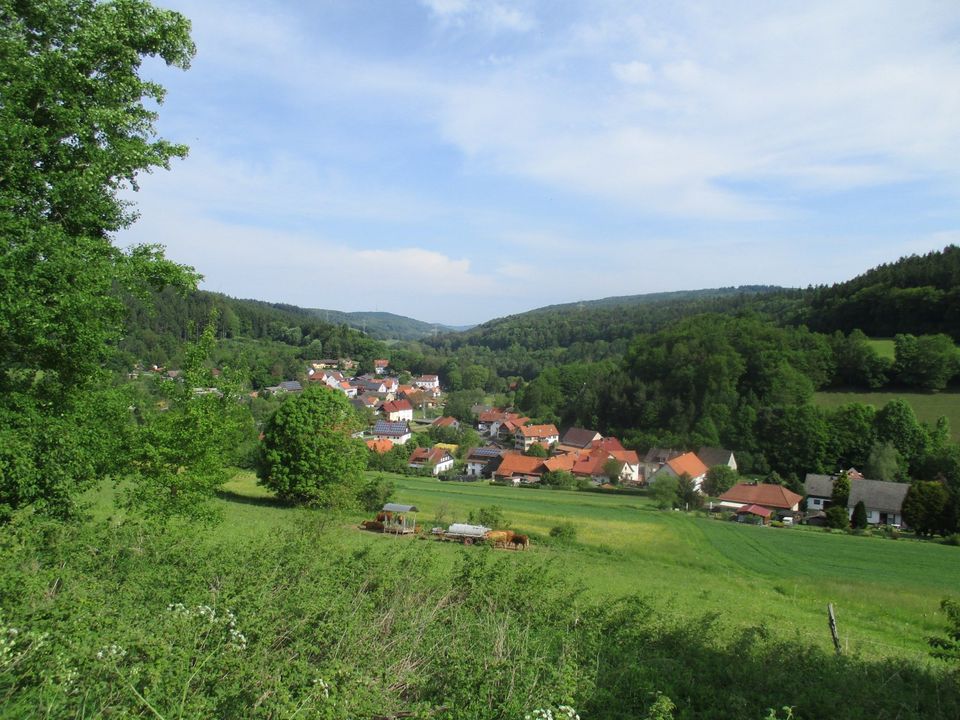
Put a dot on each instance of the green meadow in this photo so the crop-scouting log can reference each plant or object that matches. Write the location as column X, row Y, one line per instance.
column 927, row 406
column 884, row 347
column 886, row 593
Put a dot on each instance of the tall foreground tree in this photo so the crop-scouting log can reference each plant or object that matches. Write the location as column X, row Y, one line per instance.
column 74, row 132
column 308, row 453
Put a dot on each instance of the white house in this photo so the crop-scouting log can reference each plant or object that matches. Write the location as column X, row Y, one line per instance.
column 883, row 501
column 527, row 435
column 687, row 463
column 397, row 410
column 439, row 459
column 480, row 458
column 428, row 382
column 396, row 432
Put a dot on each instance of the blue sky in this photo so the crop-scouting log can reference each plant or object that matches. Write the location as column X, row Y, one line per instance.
column 458, row 160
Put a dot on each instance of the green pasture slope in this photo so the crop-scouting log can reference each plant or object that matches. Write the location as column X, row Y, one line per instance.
column 927, row 406
column 886, row 593
column 884, row 347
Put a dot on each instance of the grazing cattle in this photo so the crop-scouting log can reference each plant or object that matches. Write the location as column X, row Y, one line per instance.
column 520, row 542
column 499, row 538
column 384, row 516
column 373, row 525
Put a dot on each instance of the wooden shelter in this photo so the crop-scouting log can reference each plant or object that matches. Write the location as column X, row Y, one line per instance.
column 399, row 519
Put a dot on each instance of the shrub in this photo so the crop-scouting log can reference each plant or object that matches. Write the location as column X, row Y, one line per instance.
column 837, row 517
column 565, row 532
column 490, row 516
column 375, row 493
column 953, row 540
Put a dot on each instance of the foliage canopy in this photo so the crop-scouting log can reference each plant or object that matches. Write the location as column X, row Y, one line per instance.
column 308, row 454
column 74, row 132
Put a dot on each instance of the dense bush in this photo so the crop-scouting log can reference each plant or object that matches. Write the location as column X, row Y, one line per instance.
column 123, row 621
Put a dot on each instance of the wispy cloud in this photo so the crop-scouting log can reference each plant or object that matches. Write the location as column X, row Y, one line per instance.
column 491, row 141
column 486, row 14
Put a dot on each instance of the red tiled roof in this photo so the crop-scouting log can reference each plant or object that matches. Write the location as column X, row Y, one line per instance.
column 538, row 431
column 445, row 421
column 627, row 456
column 610, row 443
column 517, row 464
column 591, row 463
column 379, row 446
column 396, row 406
column 770, row 496
column 489, row 416
column 428, row 455
column 381, row 363
column 560, row 462
column 688, row 463
column 755, row 510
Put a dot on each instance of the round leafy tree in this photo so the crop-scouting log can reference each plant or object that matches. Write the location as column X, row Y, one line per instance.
column 308, row 454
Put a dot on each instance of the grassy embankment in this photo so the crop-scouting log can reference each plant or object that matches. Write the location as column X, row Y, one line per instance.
column 886, row 592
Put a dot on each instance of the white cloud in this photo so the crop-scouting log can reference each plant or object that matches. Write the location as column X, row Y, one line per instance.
column 446, row 8
column 632, row 73
column 429, row 272
column 491, row 16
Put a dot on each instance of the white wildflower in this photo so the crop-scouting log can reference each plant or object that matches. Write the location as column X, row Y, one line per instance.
column 324, row 687
column 111, row 652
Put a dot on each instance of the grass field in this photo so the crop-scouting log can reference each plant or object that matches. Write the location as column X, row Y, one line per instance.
column 886, row 593
column 927, row 406
column 884, row 347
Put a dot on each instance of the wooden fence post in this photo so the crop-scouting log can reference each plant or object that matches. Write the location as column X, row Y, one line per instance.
column 833, row 628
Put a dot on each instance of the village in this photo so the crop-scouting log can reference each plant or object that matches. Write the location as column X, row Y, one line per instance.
column 513, row 450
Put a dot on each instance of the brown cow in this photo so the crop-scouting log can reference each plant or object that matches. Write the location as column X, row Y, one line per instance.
column 520, row 542
column 499, row 538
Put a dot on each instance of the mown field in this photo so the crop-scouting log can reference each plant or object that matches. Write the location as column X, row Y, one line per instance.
column 927, row 406
column 886, row 592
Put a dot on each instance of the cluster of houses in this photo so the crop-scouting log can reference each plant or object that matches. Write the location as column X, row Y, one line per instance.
column 586, row 454
column 761, row 503
column 379, row 391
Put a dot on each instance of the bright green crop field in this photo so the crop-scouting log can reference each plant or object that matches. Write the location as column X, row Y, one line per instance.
column 886, row 593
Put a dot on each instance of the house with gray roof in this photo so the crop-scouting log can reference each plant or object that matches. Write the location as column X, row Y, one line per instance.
column 883, row 500
column 396, row 432
column 579, row 437
column 819, row 490
column 712, row 457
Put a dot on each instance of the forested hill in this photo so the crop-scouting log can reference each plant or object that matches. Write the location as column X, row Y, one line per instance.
column 156, row 330
column 676, row 296
column 919, row 294
column 382, row 325
column 600, row 328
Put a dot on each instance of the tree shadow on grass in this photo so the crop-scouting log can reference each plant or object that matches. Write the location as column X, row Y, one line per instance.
column 235, row 497
column 720, row 675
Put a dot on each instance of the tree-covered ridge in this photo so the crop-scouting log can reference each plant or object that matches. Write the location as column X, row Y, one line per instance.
column 918, row 294
column 382, row 325
column 605, row 328
column 158, row 327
